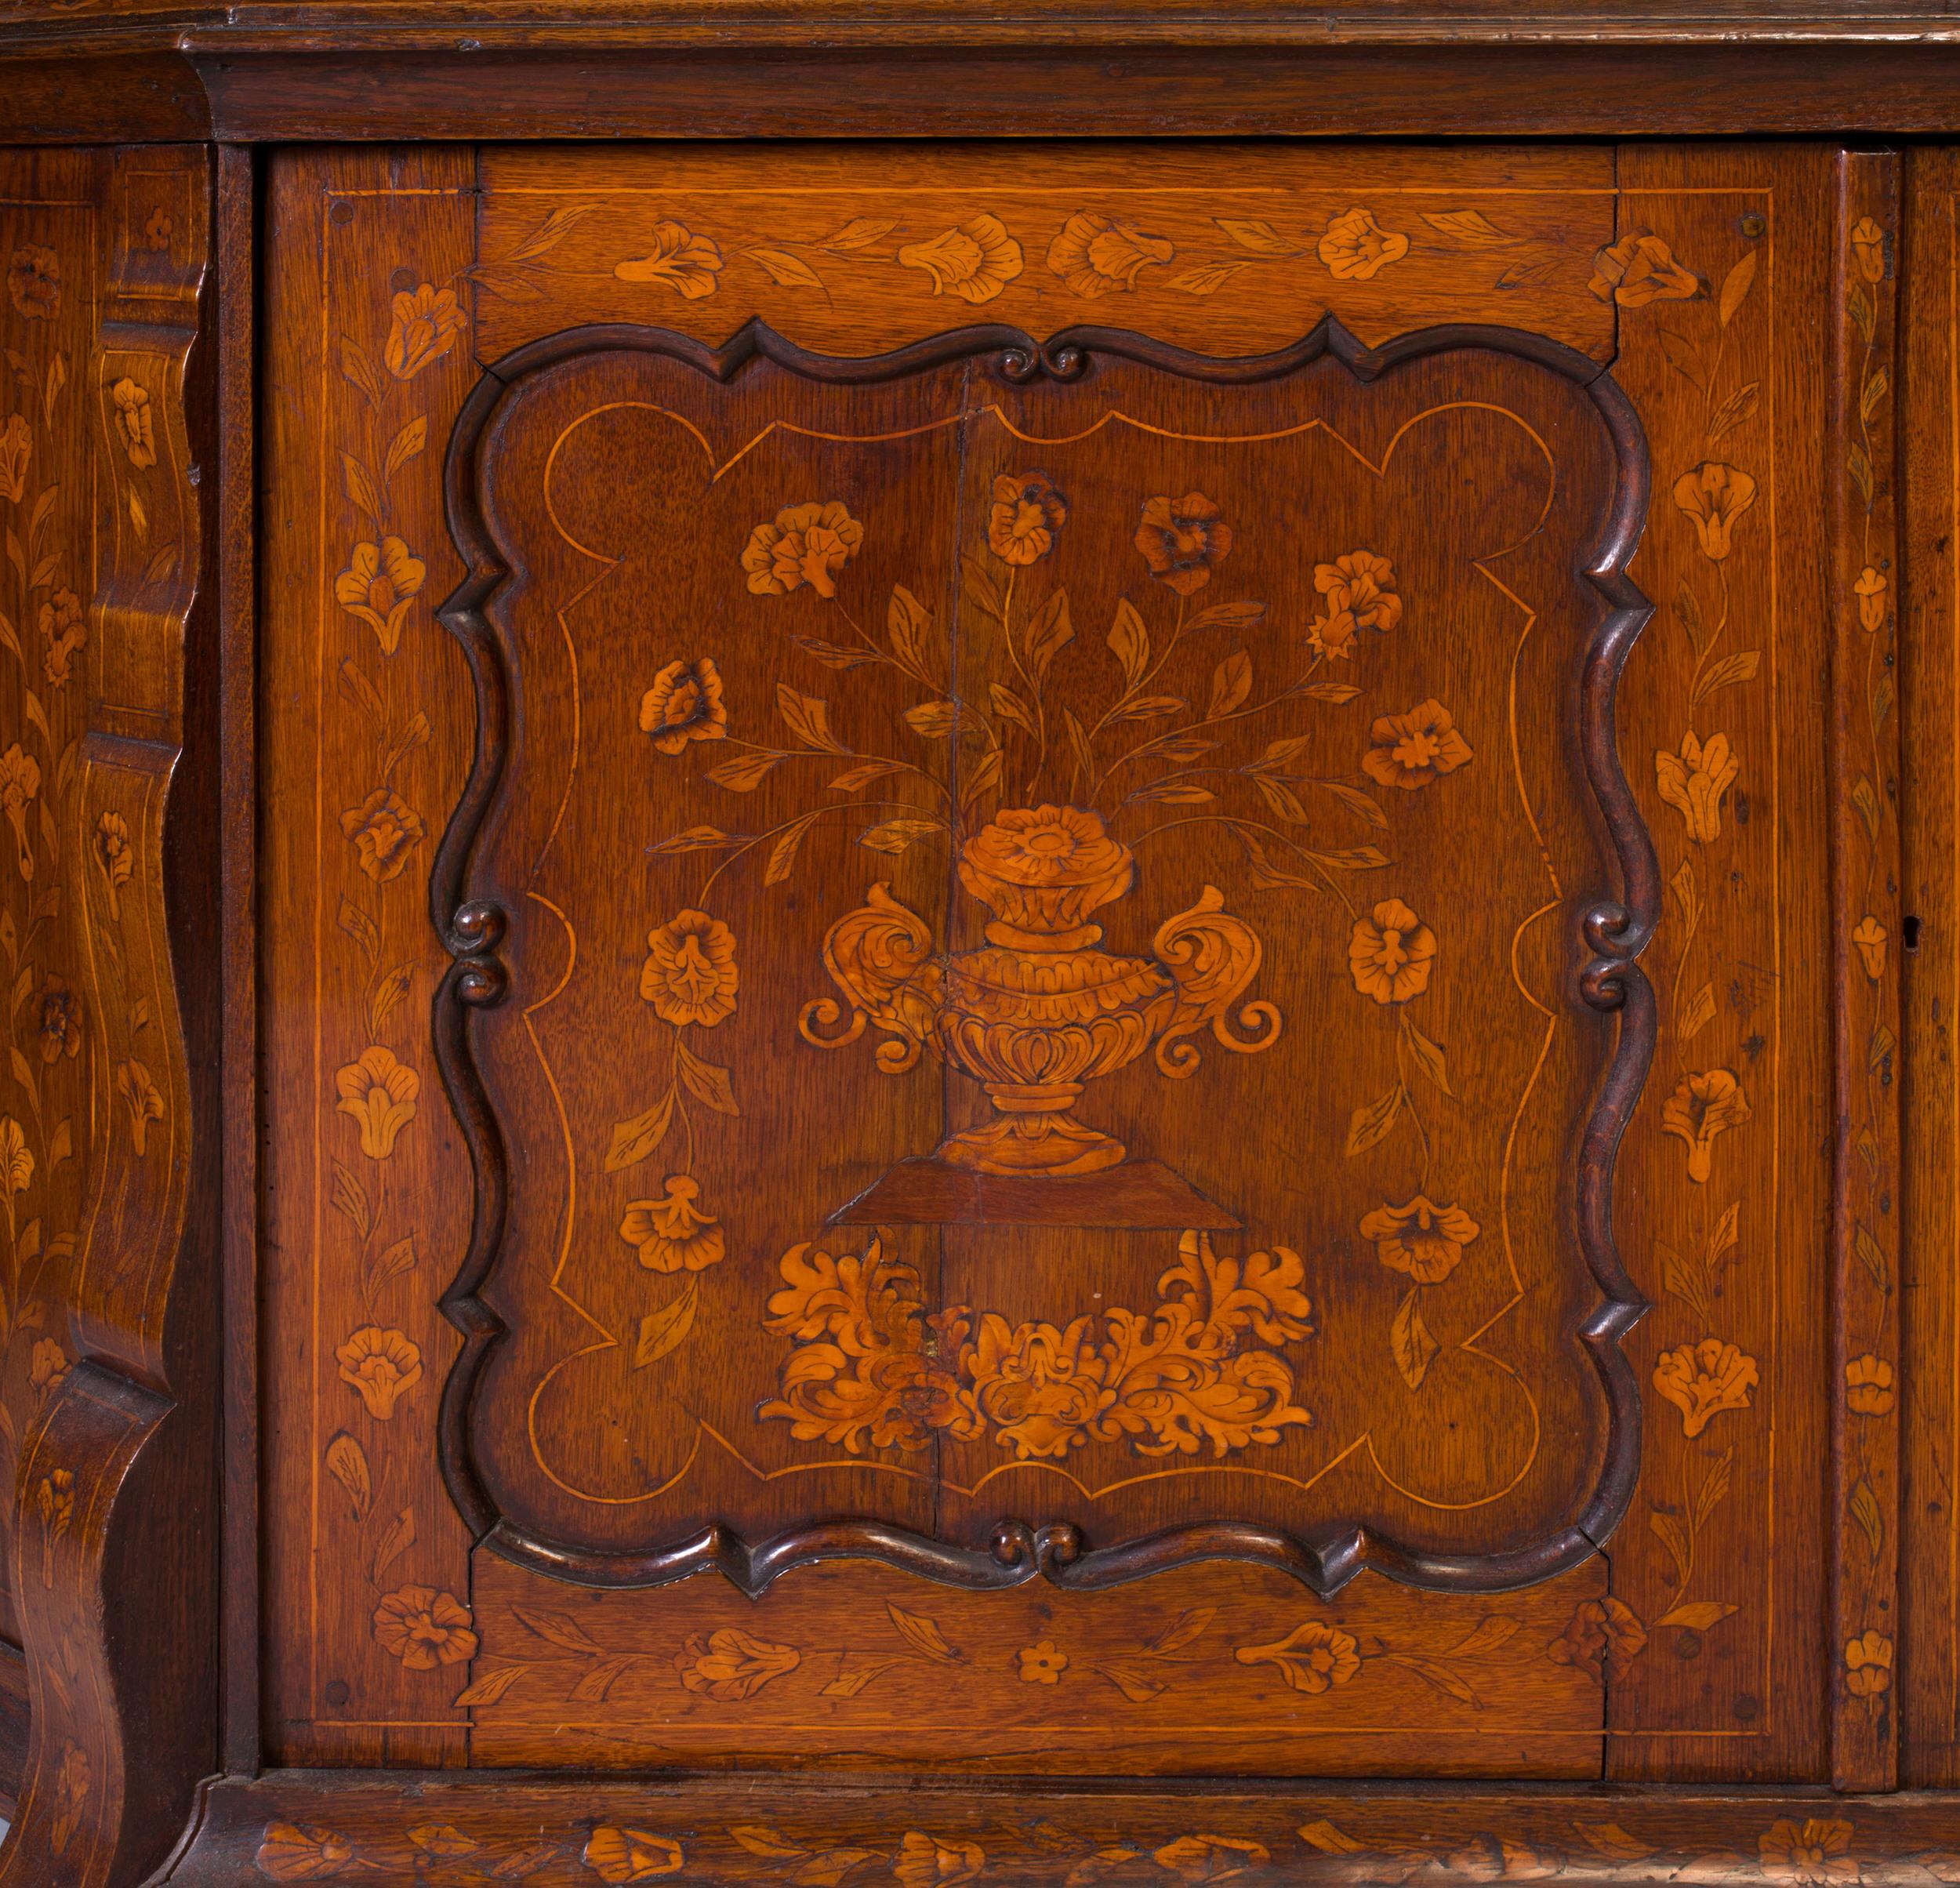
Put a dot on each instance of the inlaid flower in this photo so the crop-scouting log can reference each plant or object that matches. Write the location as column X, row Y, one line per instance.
column 1039, row 1387
column 1391, row 953
column 1703, row 1108
column 17, row 446
column 424, row 1629
column 61, row 1025
column 288, row 1852
column 1050, row 845
column 1334, row 635
column 379, row 586
column 1702, row 1380
column 1354, row 246
column 925, row 1861
column 807, row 544
column 728, row 1665
column 1868, row 1665
column 1423, row 1240
column 684, row 704
column 1868, row 1386
column 143, row 1100
column 1098, row 256
column 424, row 327
column 379, row 1093
column 1871, row 589
column 1312, row 1657
column 113, row 854
column 688, row 264
column 133, row 424
column 385, row 829
column 64, row 631
column 1815, row 1849
column 1868, row 249
column 1638, row 269
column 1409, row 750
column 975, row 260
column 380, row 1367
column 689, row 974
column 48, row 1366
column 1870, row 937
column 156, row 229
column 1027, row 513
column 54, row 1499
column 34, row 282
column 1363, row 584
column 1696, row 781
column 20, row 782
column 617, row 1854
column 671, row 1233
column 1602, row 1634
column 1183, row 540
column 1041, row 1664
column 1714, row 495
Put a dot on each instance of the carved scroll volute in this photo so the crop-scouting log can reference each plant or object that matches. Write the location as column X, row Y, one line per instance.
column 100, row 1495
column 1212, row 958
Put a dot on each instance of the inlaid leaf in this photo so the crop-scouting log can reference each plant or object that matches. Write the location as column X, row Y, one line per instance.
column 1139, row 1686
column 706, row 1081
column 1078, row 742
column 359, row 370
column 1147, row 708
column 396, row 1542
column 1728, row 1230
column 1190, row 1624
column 1281, row 797
column 1864, row 797
column 1129, row 642
column 385, row 995
column 1336, row 692
column 360, row 691
column 808, row 719
column 826, row 1867
column 1357, row 801
column 895, row 835
column 1351, row 858
column 1170, row 793
column 60, row 1144
column 662, row 1331
column 1527, row 274
column 1872, row 395
column 1668, row 1530
column 1881, row 697
column 1858, row 463
column 1010, row 707
column 1231, row 683
column 490, row 1688
column 1049, row 634
column 746, row 772
column 634, row 1140
column 1700, row 1012
column 1684, row 358
column 1696, row 1616
column 848, row 1683
column 909, row 623
column 1687, row 894
column 1179, row 747
column 1255, row 233
column 935, row 719
column 1330, row 1840
column 596, row 1686
column 1242, row 615
column 924, row 1634
column 1493, row 1632
column 362, row 490
column 783, row 854
column 1410, row 1341
column 831, row 656
column 350, row 1199
column 1865, row 1511
column 348, row 1463
column 405, row 444
column 1871, row 1256
column 441, row 1838
column 978, row 588
column 1369, row 1124
column 859, row 233
column 981, row 778
column 1449, row 1683
column 1608, row 1839
column 760, row 1841
column 1735, row 288
column 551, row 232
column 1864, row 309
column 560, row 1629
column 1428, row 1056
column 1207, row 279
column 1736, row 410
column 360, row 927
column 1470, row 226
column 852, row 778
column 1741, row 667
column 786, row 270
column 397, row 1260
column 1714, row 1486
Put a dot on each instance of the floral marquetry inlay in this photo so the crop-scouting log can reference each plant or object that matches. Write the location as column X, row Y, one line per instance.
column 1034, row 847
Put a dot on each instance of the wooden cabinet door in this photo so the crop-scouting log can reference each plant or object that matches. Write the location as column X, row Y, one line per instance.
column 1048, row 970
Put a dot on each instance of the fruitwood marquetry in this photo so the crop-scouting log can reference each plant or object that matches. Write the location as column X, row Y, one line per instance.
column 301, row 1826
column 1866, row 883
column 115, row 1483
